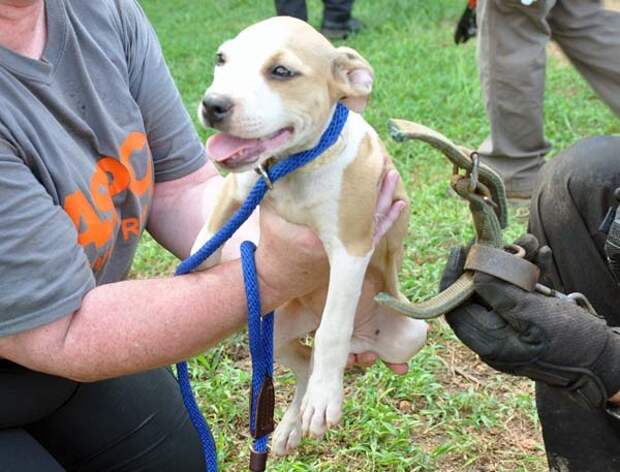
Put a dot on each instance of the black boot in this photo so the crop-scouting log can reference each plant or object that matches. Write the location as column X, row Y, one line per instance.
column 337, row 20
column 342, row 30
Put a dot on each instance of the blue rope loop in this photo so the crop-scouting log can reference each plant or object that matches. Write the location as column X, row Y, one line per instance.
column 209, row 450
column 260, row 329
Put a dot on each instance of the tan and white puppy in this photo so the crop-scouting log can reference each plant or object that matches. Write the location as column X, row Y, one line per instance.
column 274, row 91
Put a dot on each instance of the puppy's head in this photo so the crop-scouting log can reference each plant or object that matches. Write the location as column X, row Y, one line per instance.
column 274, row 89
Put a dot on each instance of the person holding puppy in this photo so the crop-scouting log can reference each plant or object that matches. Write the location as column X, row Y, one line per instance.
column 573, row 356
column 96, row 147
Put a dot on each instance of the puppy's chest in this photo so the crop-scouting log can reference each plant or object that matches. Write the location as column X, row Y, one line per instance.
column 336, row 187
column 309, row 198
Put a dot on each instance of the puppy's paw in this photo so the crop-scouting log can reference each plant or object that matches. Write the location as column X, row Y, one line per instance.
column 287, row 435
column 321, row 408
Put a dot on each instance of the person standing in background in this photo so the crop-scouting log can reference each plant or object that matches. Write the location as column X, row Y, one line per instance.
column 512, row 40
column 337, row 20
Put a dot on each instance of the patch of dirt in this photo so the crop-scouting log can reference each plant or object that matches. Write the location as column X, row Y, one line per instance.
column 501, row 447
column 554, row 51
column 612, row 4
column 497, row 448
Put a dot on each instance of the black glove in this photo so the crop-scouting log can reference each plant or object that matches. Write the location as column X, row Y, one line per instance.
column 466, row 27
column 543, row 338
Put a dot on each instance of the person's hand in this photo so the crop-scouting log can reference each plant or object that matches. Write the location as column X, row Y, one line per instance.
column 290, row 259
column 543, row 338
column 466, row 26
column 365, row 360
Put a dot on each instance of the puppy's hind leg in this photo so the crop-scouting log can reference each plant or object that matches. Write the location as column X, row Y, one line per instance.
column 288, row 434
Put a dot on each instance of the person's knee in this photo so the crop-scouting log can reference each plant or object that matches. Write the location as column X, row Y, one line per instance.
column 589, row 163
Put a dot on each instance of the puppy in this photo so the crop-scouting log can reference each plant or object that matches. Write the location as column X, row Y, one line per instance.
column 275, row 88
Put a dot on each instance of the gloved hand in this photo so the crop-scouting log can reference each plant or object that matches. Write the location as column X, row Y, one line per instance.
column 543, row 338
column 466, row 27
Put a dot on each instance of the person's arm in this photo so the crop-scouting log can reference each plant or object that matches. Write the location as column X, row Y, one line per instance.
column 135, row 325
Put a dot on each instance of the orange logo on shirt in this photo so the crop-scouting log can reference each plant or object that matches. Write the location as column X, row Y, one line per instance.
column 111, row 177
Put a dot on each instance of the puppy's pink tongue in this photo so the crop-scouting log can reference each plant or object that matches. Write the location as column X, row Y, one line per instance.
column 223, row 146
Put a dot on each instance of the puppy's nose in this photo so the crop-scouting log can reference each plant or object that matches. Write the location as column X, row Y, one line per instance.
column 216, row 108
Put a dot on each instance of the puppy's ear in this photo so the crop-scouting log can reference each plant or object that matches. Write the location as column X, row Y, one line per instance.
column 353, row 78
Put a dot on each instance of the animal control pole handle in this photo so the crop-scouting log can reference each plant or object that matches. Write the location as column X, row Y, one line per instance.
column 484, row 190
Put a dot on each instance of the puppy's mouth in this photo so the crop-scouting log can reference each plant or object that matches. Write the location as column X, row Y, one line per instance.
column 233, row 153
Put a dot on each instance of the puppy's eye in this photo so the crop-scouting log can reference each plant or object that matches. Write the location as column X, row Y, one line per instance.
column 220, row 60
column 281, row 72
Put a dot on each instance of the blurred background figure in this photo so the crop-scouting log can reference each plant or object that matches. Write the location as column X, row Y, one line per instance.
column 512, row 40
column 466, row 27
column 337, row 20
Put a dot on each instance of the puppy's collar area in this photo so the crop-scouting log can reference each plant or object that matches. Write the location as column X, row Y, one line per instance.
column 325, row 158
column 330, row 136
column 261, row 170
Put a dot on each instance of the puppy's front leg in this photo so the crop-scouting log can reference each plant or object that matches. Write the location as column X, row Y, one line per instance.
column 228, row 200
column 322, row 404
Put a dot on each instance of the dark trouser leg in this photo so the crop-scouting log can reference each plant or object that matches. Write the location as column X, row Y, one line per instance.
column 133, row 423
column 574, row 192
column 337, row 11
column 21, row 452
column 27, row 396
column 296, row 8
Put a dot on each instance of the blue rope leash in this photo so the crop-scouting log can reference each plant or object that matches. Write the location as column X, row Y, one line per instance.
column 260, row 330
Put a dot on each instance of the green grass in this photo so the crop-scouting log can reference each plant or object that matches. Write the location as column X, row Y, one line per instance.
column 450, row 412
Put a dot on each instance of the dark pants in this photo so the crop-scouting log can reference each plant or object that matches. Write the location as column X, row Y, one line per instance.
column 573, row 195
column 336, row 11
column 133, row 423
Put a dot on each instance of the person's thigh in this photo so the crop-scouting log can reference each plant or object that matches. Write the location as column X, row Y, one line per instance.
column 20, row 452
column 132, row 423
column 573, row 195
column 27, row 396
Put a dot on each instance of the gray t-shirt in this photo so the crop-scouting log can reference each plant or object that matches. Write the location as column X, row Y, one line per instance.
column 84, row 134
